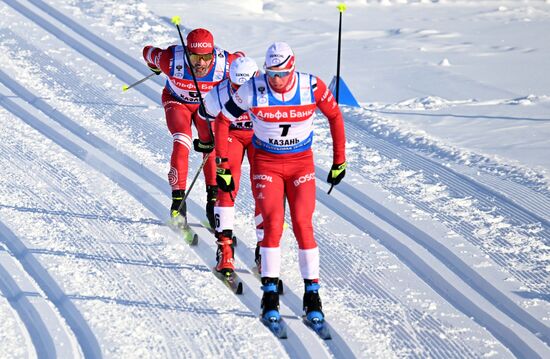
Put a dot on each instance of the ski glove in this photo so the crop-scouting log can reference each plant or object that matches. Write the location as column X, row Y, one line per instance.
column 224, row 179
column 204, row 147
column 337, row 172
column 156, row 70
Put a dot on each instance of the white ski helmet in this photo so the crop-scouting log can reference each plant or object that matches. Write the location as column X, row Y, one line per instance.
column 242, row 69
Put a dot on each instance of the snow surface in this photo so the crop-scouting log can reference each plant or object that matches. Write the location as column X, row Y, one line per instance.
column 435, row 245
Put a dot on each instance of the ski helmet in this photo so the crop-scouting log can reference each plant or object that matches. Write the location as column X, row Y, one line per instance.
column 200, row 41
column 279, row 56
column 242, row 69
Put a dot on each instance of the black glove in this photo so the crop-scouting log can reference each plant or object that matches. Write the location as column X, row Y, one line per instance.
column 204, row 147
column 224, row 179
column 156, row 70
column 337, row 172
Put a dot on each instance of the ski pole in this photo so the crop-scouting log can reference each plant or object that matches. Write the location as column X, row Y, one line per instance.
column 176, row 21
column 127, row 87
column 341, row 8
column 194, row 179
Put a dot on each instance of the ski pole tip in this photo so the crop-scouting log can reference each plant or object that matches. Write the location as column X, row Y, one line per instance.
column 176, row 20
column 124, row 88
column 341, row 7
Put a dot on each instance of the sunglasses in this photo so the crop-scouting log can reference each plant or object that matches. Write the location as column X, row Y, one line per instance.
column 198, row 57
column 281, row 74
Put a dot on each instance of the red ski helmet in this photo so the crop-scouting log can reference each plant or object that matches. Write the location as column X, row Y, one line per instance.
column 200, row 41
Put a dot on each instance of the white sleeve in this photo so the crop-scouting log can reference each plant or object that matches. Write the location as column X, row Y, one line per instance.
column 211, row 104
column 240, row 102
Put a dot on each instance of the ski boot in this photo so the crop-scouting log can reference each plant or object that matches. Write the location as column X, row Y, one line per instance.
column 225, row 253
column 178, row 216
column 211, row 196
column 314, row 317
column 312, row 302
column 271, row 317
column 270, row 300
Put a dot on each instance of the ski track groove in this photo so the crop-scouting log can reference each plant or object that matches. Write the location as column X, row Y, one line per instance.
column 39, row 334
column 461, row 187
column 47, row 284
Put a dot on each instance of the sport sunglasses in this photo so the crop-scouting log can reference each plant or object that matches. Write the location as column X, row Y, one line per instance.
column 281, row 74
column 198, row 57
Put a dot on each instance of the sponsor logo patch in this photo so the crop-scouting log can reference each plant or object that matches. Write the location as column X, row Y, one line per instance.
column 303, row 179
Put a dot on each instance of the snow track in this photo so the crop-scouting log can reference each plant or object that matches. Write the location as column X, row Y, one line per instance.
column 526, row 226
column 51, row 336
column 157, row 294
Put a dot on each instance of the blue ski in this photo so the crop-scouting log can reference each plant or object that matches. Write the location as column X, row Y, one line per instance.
column 319, row 326
column 277, row 327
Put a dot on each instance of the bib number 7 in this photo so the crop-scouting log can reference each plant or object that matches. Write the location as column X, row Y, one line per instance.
column 285, row 130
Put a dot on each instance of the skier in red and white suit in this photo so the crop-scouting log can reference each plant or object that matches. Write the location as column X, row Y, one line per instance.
column 281, row 104
column 180, row 99
column 239, row 144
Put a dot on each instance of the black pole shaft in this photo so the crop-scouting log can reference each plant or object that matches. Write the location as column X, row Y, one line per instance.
column 338, row 60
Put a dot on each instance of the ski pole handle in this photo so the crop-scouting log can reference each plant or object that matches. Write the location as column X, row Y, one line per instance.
column 127, row 87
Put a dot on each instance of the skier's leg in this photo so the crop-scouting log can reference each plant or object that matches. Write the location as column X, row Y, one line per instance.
column 268, row 181
column 224, row 210
column 178, row 120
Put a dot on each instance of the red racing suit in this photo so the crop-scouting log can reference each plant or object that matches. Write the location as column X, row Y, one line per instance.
column 239, row 142
column 283, row 161
column 181, row 102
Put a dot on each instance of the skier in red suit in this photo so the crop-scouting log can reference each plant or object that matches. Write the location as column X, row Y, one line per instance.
column 281, row 105
column 180, row 99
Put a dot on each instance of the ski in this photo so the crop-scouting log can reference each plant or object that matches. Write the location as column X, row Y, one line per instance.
column 277, row 327
column 185, row 231
column 231, row 280
column 320, row 327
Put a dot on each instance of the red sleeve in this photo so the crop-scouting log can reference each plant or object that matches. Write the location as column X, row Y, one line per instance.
column 328, row 106
column 159, row 58
column 222, row 133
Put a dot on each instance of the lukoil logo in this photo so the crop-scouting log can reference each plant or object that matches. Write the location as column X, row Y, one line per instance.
column 198, row 45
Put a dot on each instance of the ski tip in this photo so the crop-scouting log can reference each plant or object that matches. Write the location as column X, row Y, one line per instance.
column 278, row 328
column 239, row 288
column 125, row 88
column 195, row 240
column 280, row 287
